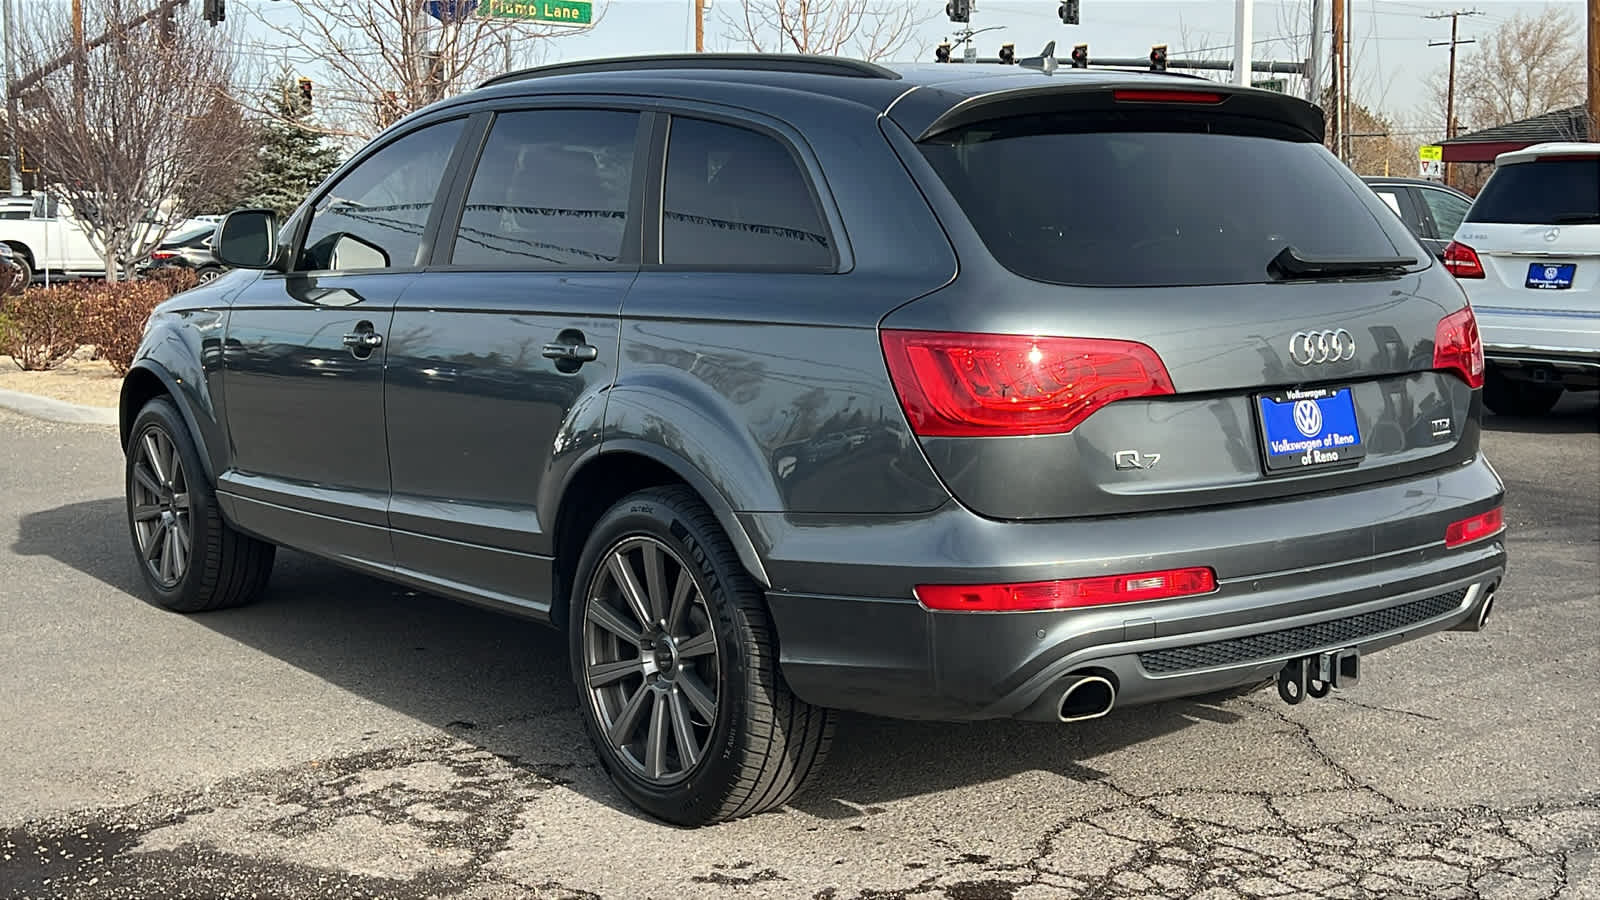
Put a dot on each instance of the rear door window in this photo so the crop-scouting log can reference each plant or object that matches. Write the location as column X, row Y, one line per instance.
column 737, row 198
column 1447, row 209
column 1065, row 199
column 551, row 191
column 1546, row 192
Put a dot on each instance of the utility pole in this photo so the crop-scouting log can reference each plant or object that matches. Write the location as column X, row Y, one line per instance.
column 1313, row 76
column 1337, row 80
column 1243, row 28
column 699, row 26
column 12, row 107
column 1450, row 83
column 1594, row 70
column 80, row 55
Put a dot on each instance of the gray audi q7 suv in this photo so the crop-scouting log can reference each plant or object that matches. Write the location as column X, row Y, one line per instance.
column 785, row 385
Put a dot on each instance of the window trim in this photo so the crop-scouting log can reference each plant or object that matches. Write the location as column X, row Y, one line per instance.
column 308, row 209
column 810, row 174
column 444, row 240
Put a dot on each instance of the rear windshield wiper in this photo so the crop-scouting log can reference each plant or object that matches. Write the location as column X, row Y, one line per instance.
column 1289, row 264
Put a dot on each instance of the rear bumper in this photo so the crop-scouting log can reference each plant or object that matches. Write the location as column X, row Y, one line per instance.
column 1557, row 346
column 1307, row 590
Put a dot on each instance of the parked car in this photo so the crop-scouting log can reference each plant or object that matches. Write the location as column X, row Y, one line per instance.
column 1431, row 210
column 52, row 237
column 1528, row 256
column 188, row 249
column 1100, row 415
column 13, row 278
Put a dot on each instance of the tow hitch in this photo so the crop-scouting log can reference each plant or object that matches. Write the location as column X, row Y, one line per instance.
column 1315, row 676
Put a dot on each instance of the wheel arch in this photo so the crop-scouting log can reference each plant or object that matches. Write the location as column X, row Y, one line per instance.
column 23, row 249
column 622, row 467
column 145, row 381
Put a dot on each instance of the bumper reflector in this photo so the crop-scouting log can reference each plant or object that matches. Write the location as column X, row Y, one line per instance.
column 1483, row 525
column 1068, row 594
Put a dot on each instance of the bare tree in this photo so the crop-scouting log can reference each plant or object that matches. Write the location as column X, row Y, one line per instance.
column 137, row 129
column 375, row 61
column 867, row 29
column 1529, row 66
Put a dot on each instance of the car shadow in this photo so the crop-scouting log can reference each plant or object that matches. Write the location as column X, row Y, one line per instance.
column 502, row 683
column 1573, row 414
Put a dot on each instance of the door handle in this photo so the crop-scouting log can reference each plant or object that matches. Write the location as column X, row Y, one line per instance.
column 574, row 352
column 363, row 340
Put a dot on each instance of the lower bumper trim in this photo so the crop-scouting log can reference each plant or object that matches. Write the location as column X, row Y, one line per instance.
column 1304, row 639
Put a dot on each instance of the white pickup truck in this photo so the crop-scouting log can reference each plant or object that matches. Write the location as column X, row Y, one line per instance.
column 51, row 238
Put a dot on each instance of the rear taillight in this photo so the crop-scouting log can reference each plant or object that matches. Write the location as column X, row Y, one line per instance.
column 163, row 254
column 1458, row 348
column 990, row 385
column 1159, row 96
column 1462, row 261
column 1068, row 594
column 1483, row 525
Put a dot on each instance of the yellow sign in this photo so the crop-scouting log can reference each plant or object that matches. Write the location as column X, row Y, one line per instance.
column 1430, row 152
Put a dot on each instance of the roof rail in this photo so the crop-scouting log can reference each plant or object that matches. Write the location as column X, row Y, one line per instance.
column 805, row 64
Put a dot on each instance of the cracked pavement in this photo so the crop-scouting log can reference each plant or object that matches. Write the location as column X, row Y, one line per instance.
column 347, row 738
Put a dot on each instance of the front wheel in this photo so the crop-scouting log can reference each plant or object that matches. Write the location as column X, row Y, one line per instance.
column 677, row 668
column 191, row 560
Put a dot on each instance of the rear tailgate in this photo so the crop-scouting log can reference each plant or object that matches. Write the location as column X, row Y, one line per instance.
column 1155, row 228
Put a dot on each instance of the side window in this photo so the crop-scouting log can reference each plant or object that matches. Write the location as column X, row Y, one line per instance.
column 1387, row 195
column 736, row 197
column 1448, row 211
column 550, row 190
column 374, row 216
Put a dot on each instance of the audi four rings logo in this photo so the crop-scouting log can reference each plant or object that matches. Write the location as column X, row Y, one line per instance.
column 1309, row 348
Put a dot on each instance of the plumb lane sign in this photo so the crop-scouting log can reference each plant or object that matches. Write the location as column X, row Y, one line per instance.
column 567, row 12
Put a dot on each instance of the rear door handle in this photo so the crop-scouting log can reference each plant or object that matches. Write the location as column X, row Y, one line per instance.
column 575, row 352
column 363, row 340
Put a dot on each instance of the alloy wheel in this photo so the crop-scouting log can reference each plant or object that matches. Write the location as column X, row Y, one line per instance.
column 161, row 514
column 650, row 662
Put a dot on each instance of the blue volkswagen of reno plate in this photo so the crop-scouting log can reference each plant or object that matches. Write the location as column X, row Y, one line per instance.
column 1551, row 278
column 1309, row 427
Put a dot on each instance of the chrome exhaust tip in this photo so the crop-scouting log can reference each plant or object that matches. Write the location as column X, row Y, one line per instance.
column 1477, row 622
column 1090, row 697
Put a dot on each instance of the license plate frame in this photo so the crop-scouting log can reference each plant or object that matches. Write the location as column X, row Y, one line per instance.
column 1296, row 439
column 1551, row 277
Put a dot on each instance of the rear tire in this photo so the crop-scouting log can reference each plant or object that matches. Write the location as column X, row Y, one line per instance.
column 190, row 559
column 703, row 689
column 1505, row 397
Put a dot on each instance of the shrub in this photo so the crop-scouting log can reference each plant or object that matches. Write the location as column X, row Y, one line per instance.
column 113, row 315
column 43, row 326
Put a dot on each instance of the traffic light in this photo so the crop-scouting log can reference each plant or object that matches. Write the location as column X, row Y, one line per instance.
column 942, row 52
column 305, row 94
column 1068, row 12
column 1158, row 58
column 959, row 10
column 1008, row 54
column 214, row 11
column 1080, row 56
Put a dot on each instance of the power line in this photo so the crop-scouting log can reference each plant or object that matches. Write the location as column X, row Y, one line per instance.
column 1450, row 89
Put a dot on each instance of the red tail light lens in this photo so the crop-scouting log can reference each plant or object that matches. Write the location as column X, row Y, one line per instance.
column 1458, row 348
column 163, row 254
column 1462, row 261
column 1144, row 96
column 1483, row 525
column 1069, row 594
column 987, row 385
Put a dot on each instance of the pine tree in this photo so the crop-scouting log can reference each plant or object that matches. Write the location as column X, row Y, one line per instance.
column 293, row 159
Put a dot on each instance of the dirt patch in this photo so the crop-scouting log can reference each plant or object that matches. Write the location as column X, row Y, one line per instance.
column 78, row 380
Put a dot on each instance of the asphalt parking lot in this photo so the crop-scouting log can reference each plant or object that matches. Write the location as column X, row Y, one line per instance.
column 347, row 738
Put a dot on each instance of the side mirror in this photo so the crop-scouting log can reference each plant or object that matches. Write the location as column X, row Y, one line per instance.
column 248, row 239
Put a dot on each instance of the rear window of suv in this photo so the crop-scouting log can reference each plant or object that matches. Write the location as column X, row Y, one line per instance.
column 1544, row 192
column 1056, row 200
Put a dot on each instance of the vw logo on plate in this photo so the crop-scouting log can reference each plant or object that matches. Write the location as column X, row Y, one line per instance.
column 1312, row 347
column 1550, row 273
column 1308, row 417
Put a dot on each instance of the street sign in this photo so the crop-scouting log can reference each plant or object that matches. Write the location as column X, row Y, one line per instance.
column 564, row 12
column 450, row 10
column 1272, row 84
column 1431, row 160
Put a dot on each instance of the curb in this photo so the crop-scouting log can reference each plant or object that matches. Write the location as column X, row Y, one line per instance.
column 56, row 410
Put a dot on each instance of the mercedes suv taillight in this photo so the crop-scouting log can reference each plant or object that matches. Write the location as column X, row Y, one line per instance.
column 988, row 385
column 1462, row 261
column 1458, row 348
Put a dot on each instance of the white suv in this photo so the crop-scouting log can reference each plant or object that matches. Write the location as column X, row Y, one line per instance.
column 1528, row 256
